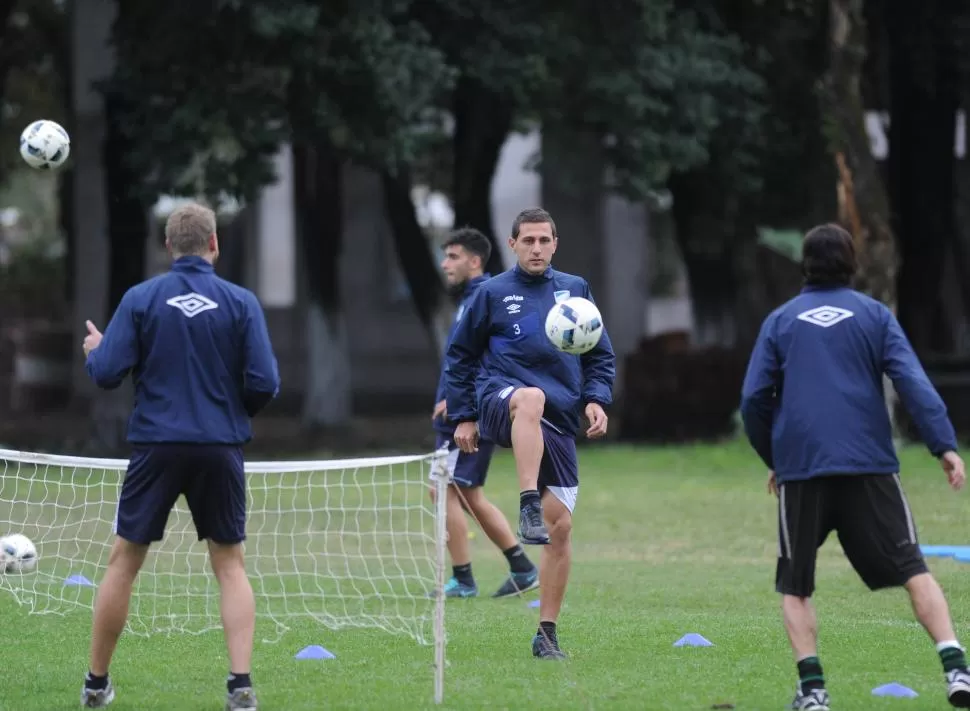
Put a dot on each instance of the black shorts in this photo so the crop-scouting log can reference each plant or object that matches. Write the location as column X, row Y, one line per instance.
column 873, row 521
column 211, row 477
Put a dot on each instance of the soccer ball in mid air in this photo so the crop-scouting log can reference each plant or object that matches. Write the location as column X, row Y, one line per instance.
column 18, row 554
column 574, row 325
column 45, row 145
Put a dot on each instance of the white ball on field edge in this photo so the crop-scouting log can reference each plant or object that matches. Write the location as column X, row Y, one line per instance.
column 574, row 325
column 18, row 554
column 45, row 145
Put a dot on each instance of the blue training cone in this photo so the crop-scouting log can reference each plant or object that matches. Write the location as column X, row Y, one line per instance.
column 79, row 580
column 314, row 651
column 692, row 639
column 945, row 551
column 534, row 603
column 895, row 689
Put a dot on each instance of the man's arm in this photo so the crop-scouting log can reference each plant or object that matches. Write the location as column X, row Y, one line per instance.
column 117, row 353
column 462, row 359
column 599, row 368
column 916, row 392
column 759, row 391
column 261, row 376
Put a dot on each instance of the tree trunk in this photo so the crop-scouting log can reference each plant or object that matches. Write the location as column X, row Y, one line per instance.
column 705, row 235
column 924, row 103
column 127, row 237
column 863, row 202
column 864, row 206
column 127, row 214
column 483, row 120
column 319, row 210
column 415, row 257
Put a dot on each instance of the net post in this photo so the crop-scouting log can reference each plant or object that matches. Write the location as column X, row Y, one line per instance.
column 440, row 476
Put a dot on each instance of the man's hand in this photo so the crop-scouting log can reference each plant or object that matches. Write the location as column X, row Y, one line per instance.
column 953, row 466
column 772, row 484
column 440, row 409
column 597, row 420
column 93, row 339
column 466, row 437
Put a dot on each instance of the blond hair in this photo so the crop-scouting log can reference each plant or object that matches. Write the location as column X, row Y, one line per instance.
column 188, row 229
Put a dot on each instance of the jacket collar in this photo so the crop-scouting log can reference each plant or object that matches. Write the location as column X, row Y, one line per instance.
column 473, row 284
column 192, row 263
column 808, row 288
column 532, row 278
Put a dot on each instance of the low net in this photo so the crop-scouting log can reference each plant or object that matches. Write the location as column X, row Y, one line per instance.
column 347, row 543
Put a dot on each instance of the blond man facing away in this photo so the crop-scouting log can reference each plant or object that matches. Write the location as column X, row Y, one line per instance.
column 200, row 357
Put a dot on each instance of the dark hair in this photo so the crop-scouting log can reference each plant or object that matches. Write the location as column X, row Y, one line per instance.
column 472, row 241
column 828, row 256
column 532, row 216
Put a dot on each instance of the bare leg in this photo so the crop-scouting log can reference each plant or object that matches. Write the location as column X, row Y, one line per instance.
column 525, row 408
column 490, row 518
column 801, row 626
column 111, row 604
column 930, row 608
column 457, row 527
column 556, row 558
column 237, row 604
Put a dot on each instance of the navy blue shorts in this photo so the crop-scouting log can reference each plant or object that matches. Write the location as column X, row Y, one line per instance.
column 466, row 470
column 559, row 471
column 211, row 477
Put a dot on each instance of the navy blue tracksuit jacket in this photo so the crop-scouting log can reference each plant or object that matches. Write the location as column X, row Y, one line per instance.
column 812, row 401
column 501, row 337
column 442, row 425
column 199, row 354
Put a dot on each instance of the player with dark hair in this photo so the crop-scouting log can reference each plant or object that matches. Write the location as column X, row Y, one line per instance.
column 506, row 383
column 814, row 410
column 466, row 252
column 199, row 353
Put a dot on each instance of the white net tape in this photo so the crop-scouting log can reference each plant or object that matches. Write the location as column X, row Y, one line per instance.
column 348, row 543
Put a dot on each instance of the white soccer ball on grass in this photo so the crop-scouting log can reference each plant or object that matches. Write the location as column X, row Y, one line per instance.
column 18, row 554
column 574, row 325
column 45, row 145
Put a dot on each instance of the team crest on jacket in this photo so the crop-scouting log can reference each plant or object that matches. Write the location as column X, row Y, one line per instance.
column 561, row 295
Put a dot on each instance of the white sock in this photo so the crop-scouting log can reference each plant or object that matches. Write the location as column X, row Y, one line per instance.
column 947, row 644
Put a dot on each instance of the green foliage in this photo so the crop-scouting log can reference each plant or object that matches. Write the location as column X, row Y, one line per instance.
column 359, row 76
column 657, row 82
column 375, row 78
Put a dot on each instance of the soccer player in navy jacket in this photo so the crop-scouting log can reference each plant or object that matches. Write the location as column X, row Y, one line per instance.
column 199, row 354
column 506, row 383
column 466, row 252
column 814, row 410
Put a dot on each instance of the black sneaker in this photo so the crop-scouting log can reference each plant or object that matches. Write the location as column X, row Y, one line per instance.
column 814, row 700
column 546, row 647
column 518, row 583
column 958, row 688
column 97, row 698
column 532, row 531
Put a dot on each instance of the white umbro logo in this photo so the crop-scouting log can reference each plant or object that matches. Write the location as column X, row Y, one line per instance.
column 192, row 304
column 825, row 316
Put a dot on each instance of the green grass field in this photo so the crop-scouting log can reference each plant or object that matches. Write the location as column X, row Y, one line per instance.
column 666, row 542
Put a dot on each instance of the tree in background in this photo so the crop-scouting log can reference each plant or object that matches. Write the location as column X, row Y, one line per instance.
column 338, row 83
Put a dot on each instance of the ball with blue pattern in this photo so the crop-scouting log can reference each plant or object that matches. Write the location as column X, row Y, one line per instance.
column 45, row 145
column 574, row 325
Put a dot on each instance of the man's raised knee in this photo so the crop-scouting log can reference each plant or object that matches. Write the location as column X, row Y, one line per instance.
column 527, row 402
